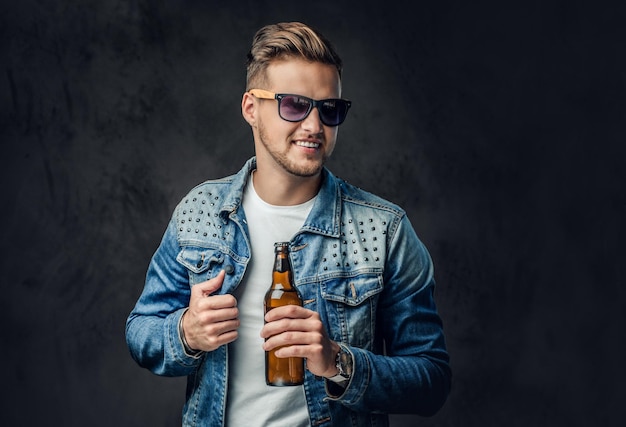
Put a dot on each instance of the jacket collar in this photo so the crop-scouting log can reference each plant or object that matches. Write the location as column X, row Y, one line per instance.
column 232, row 200
column 326, row 211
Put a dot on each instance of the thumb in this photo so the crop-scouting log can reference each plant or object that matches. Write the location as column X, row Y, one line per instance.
column 204, row 289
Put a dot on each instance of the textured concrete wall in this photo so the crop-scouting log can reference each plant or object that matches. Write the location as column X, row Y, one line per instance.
column 499, row 128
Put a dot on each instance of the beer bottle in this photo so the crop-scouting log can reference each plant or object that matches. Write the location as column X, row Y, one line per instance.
column 282, row 371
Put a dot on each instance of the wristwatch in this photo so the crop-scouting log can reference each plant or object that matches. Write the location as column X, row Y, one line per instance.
column 343, row 362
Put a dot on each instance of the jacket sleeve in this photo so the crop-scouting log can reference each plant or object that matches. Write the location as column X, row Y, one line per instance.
column 152, row 332
column 413, row 376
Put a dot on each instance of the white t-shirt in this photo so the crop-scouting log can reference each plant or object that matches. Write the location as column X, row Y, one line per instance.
column 250, row 402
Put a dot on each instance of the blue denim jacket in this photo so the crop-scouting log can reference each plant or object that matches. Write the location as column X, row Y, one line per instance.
column 357, row 261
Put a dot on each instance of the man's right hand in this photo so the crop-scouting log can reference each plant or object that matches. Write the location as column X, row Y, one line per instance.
column 211, row 321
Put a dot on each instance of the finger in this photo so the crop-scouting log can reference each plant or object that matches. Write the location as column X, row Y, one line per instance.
column 210, row 286
column 208, row 316
column 216, row 302
column 288, row 339
column 211, row 342
column 276, row 327
column 287, row 311
column 221, row 328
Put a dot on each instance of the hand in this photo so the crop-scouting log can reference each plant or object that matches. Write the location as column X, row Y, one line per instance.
column 300, row 333
column 211, row 321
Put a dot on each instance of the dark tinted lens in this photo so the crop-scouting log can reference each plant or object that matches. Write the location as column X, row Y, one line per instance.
column 333, row 111
column 294, row 108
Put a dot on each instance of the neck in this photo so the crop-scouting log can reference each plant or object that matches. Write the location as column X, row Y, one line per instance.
column 284, row 189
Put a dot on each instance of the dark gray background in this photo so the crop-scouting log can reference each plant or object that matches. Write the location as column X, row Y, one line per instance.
column 498, row 127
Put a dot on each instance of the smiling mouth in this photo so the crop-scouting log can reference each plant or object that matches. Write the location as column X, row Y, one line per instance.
column 307, row 144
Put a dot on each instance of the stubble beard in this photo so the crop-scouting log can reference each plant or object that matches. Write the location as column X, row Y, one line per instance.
column 282, row 159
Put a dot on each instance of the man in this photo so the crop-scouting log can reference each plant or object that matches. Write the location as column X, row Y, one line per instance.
column 369, row 329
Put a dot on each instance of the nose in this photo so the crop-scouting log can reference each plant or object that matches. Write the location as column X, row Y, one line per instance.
column 312, row 123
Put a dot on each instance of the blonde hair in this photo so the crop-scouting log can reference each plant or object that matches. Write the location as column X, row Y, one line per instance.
column 285, row 40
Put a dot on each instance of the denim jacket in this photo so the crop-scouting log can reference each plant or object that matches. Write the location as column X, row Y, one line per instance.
column 357, row 261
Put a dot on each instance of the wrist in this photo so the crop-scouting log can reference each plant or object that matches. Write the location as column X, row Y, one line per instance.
column 344, row 363
column 181, row 332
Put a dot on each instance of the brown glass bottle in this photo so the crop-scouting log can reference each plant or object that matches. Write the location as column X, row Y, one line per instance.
column 282, row 371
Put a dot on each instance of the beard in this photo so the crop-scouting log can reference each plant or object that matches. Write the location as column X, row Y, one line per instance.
column 301, row 169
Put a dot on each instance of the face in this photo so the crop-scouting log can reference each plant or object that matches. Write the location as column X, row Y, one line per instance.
column 300, row 148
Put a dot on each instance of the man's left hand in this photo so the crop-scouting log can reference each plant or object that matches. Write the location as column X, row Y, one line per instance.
column 300, row 333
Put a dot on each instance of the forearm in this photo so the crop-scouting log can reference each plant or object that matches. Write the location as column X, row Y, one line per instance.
column 396, row 384
column 413, row 374
column 155, row 344
column 152, row 331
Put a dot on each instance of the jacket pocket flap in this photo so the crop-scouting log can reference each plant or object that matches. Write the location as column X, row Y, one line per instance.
column 352, row 290
column 198, row 260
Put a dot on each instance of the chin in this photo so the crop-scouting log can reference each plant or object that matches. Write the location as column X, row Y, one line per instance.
column 305, row 173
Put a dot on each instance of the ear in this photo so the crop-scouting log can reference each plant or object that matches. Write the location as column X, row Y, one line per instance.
column 249, row 108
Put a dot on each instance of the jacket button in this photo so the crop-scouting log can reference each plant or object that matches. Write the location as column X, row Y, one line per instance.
column 229, row 269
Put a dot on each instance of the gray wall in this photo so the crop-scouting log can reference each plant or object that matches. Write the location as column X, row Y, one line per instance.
column 499, row 128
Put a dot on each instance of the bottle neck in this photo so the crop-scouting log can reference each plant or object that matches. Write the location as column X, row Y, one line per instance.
column 282, row 276
column 281, row 263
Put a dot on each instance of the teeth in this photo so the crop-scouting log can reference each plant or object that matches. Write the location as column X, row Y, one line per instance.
column 307, row 144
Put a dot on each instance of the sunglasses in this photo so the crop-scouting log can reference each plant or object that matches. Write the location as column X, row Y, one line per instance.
column 295, row 108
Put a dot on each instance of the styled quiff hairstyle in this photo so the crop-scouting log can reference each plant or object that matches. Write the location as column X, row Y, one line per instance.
column 287, row 40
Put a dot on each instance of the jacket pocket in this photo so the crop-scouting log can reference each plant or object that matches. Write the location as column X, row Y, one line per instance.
column 201, row 263
column 350, row 308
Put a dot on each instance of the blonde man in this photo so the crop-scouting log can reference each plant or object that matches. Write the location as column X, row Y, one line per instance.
column 369, row 329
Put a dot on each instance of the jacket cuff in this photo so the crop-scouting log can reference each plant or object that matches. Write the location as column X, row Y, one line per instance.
column 175, row 346
column 357, row 383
